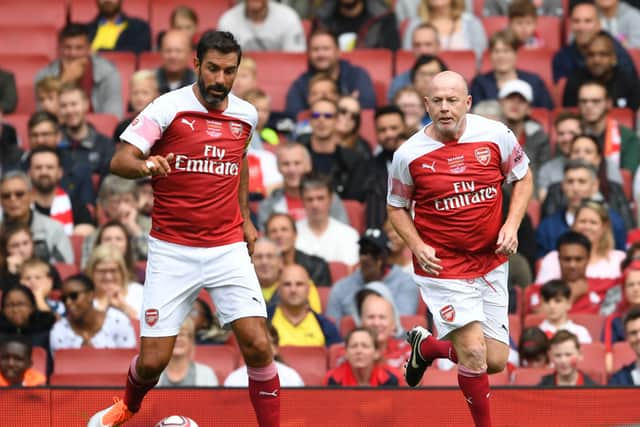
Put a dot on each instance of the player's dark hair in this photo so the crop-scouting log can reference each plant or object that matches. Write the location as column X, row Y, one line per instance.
column 43, row 149
column 423, row 60
column 632, row 314
column 73, row 29
column 222, row 41
column 17, row 287
column 83, row 279
column 314, row 180
column 40, row 117
column 25, row 340
column 562, row 336
column 387, row 109
column 572, row 237
column 281, row 215
column 533, row 343
column 555, row 288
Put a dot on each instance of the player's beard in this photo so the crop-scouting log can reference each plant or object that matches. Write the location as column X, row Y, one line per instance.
column 210, row 98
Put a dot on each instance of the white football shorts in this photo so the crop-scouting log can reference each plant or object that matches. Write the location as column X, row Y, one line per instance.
column 176, row 274
column 455, row 303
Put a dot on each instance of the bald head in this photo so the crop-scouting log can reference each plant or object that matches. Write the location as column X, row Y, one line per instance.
column 447, row 103
column 449, row 79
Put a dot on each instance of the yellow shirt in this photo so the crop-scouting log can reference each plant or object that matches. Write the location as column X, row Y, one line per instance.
column 314, row 296
column 306, row 333
column 107, row 35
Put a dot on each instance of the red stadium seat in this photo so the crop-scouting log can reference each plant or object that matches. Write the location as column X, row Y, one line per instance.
column 529, row 376
column 378, row 63
column 625, row 116
column 515, row 327
column 46, row 13
column 461, row 61
column 622, row 355
column 323, row 292
column 24, row 67
column 338, row 270
column 408, row 322
column 94, row 379
column 368, row 127
column 306, row 27
column 347, row 323
column 531, row 320
column 533, row 60
column 76, row 244
column 103, row 122
column 403, row 61
column 493, row 24
column 593, row 362
column 336, row 354
column 533, row 209
column 548, row 28
column 86, row 11
column 19, row 122
column 438, row 378
column 310, row 362
column 66, row 270
column 276, row 72
column 478, row 8
column 149, row 60
column 557, row 93
column 39, row 359
column 89, row 360
column 125, row 62
column 36, row 40
column 542, row 116
column 223, row 359
column 500, row 379
column 355, row 212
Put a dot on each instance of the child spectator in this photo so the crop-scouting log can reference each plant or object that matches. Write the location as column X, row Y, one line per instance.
column 523, row 17
column 533, row 348
column 48, row 94
column 246, row 77
column 37, row 276
column 16, row 365
column 564, row 353
column 630, row 374
column 556, row 303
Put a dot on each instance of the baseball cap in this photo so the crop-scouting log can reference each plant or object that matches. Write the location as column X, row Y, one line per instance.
column 376, row 238
column 520, row 87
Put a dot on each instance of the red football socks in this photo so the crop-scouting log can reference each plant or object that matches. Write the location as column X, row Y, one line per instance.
column 264, row 390
column 433, row 348
column 475, row 388
column 137, row 388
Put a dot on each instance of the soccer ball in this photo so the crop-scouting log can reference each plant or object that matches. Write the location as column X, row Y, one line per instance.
column 177, row 421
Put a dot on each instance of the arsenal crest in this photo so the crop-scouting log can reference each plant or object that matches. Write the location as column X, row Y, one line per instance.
column 151, row 316
column 448, row 313
column 236, row 129
column 483, row 155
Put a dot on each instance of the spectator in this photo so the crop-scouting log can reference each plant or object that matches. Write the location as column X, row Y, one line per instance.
column 399, row 253
column 8, row 93
column 344, row 166
column 176, row 56
column 422, row 72
column 98, row 78
column 113, row 286
column 182, row 370
column 359, row 24
column 117, row 201
column 458, row 30
column 185, row 19
column 373, row 267
column 556, row 303
column 288, row 376
column 628, row 375
column 38, row 276
column 544, row 7
column 114, row 233
column 16, row 247
column 424, row 41
column 48, row 95
column 523, row 18
column 564, row 353
column 45, row 172
column 82, row 143
column 533, row 348
column 51, row 243
column 143, row 88
column 592, row 220
column 503, row 48
column 321, row 87
column 296, row 322
column 601, row 66
column 10, row 151
column 348, row 121
column 324, row 56
column 584, row 24
column 264, row 25
column 144, row 192
column 281, row 229
column 246, row 77
column 76, row 181
column 390, row 134
column 86, row 326
column 362, row 367
column 629, row 299
column 16, row 366
column 580, row 182
column 111, row 29
column 621, row 21
column 410, row 102
column 516, row 98
column 567, row 126
column 262, row 133
column 207, row 326
column 318, row 233
column 294, row 161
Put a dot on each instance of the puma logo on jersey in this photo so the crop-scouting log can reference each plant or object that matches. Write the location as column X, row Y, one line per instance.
column 432, row 166
column 191, row 123
column 273, row 393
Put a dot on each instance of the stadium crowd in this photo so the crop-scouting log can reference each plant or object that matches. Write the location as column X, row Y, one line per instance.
column 338, row 86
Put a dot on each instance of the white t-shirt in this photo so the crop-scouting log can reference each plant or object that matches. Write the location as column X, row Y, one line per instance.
column 116, row 332
column 608, row 268
column 288, row 377
column 584, row 337
column 339, row 243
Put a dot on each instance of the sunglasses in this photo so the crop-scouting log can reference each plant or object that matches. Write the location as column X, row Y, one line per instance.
column 73, row 296
column 8, row 195
column 315, row 115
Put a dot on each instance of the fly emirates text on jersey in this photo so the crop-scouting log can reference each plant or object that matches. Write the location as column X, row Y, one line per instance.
column 213, row 162
column 466, row 195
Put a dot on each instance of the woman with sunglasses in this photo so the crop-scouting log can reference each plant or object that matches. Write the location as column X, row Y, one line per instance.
column 348, row 126
column 84, row 325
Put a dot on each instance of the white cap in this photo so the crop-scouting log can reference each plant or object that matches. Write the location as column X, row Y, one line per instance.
column 520, row 87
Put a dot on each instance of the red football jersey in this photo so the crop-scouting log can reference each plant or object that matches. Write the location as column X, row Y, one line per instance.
column 457, row 190
column 197, row 203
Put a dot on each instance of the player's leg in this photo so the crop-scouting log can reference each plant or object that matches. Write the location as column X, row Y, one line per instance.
column 497, row 355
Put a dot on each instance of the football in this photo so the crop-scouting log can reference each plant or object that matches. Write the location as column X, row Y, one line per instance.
column 177, row 421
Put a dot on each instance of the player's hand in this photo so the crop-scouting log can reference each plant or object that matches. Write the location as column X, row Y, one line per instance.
column 157, row 165
column 427, row 258
column 250, row 234
column 507, row 243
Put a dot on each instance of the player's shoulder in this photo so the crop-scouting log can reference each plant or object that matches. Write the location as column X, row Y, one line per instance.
column 177, row 100
column 485, row 128
column 418, row 144
column 241, row 109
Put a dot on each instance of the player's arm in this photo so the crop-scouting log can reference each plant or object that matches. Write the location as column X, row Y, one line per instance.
column 520, row 195
column 250, row 232
column 130, row 162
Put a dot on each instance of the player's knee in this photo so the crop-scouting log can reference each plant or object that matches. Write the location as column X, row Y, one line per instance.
column 473, row 357
column 257, row 351
column 152, row 365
